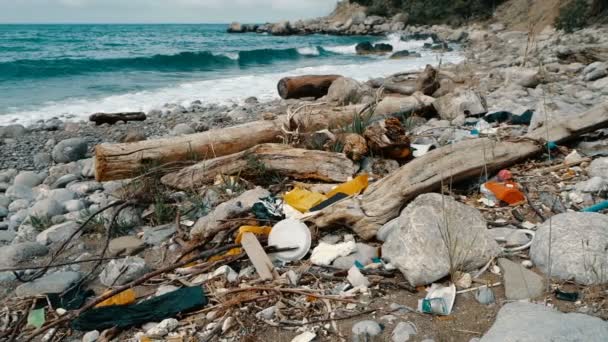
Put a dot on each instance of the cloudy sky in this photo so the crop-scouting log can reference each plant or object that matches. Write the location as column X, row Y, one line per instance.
column 159, row 11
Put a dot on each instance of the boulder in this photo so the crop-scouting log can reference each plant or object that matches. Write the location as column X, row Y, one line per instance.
column 19, row 252
column 435, row 235
column 121, row 271
column 401, row 54
column 61, row 195
column 427, row 81
column 527, row 78
column 595, row 71
column 599, row 168
column 51, row 283
column 12, row 131
column 64, row 180
column 235, row 28
column 17, row 205
column 73, row 205
column 157, row 235
column 364, row 48
column 578, row 247
column 281, row 29
column 127, row 245
column 393, row 104
column 344, row 91
column 374, row 20
column 554, row 109
column 467, row 102
column 4, row 201
column 129, row 217
column 46, row 209
column 527, row 322
column 182, row 129
column 520, row 283
column 58, row 233
column 69, row 150
column 3, row 212
column 28, row 178
column 15, row 192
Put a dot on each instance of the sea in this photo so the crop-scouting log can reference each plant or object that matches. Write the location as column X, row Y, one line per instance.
column 71, row 71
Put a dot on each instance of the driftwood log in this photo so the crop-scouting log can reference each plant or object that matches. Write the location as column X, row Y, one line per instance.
column 384, row 200
column 315, row 86
column 120, row 161
column 283, row 159
column 112, row 118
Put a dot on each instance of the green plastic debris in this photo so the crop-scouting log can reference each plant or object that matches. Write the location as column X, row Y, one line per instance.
column 36, row 318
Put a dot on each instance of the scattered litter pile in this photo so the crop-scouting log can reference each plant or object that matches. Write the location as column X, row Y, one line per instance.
column 362, row 214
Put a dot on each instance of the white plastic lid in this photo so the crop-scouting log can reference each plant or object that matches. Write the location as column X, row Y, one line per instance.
column 290, row 233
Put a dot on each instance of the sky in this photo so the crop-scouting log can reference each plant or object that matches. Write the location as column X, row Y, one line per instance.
column 160, row 11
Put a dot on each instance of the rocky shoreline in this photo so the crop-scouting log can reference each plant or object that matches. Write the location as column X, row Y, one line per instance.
column 47, row 187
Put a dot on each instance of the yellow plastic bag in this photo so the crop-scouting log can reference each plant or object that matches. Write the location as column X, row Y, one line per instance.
column 302, row 200
column 351, row 188
column 123, row 298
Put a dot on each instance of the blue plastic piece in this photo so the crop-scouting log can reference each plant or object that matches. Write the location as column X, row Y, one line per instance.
column 551, row 145
column 474, row 132
column 595, row 208
column 359, row 265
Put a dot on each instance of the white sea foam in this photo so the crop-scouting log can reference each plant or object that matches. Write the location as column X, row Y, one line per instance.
column 342, row 49
column 222, row 91
column 308, row 51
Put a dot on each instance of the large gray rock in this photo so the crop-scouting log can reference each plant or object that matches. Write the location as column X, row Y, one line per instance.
column 64, row 180
column 157, row 235
column 7, row 176
column 46, row 209
column 578, row 247
column 554, row 109
column 15, row 192
column 19, row 252
column 429, row 236
column 4, row 201
column 281, row 29
column 61, row 195
column 51, row 283
column 58, row 233
column 12, row 131
column 125, row 244
column 28, row 178
column 69, row 150
column 527, row 322
column 344, row 91
column 83, row 188
column 228, row 209
column 520, row 283
column 3, row 212
column 467, row 102
column 595, row 71
column 122, row 271
column 129, row 217
column 527, row 78
column 599, row 168
column 182, row 129
column 19, row 204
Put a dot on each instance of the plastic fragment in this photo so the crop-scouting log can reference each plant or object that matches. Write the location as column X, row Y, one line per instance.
column 36, row 318
column 352, row 187
column 302, row 199
column 123, row 298
column 439, row 300
column 506, row 192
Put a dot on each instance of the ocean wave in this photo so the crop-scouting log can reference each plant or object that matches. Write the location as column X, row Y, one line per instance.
column 221, row 91
column 393, row 39
column 181, row 62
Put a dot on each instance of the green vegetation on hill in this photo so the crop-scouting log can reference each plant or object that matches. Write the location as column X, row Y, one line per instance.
column 577, row 14
column 433, row 11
